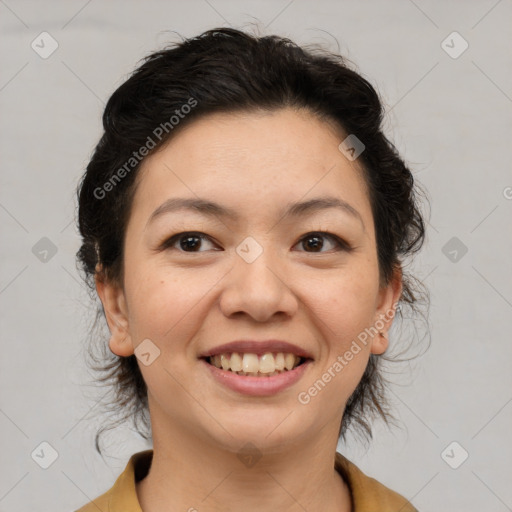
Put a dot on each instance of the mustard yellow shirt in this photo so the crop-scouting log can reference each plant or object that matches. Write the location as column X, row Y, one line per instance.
column 368, row 495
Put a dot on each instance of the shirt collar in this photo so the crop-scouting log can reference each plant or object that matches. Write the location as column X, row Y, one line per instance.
column 367, row 493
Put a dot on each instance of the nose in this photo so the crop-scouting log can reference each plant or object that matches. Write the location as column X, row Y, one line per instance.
column 258, row 290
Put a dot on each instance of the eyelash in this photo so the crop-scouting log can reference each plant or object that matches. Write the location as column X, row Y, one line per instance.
column 341, row 244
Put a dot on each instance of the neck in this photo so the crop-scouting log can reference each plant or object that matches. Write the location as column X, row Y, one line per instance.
column 187, row 474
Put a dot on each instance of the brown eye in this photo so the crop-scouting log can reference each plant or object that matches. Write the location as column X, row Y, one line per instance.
column 316, row 242
column 187, row 242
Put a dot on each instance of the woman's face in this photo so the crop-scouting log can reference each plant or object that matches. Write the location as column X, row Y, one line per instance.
column 260, row 272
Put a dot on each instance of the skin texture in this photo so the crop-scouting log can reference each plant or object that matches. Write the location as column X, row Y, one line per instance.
column 187, row 302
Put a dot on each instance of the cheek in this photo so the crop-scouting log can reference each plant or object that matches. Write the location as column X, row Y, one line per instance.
column 164, row 305
column 343, row 311
column 344, row 307
column 345, row 303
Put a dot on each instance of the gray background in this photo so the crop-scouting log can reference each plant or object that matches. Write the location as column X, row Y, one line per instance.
column 450, row 118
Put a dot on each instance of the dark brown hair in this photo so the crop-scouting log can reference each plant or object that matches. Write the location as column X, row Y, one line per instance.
column 227, row 70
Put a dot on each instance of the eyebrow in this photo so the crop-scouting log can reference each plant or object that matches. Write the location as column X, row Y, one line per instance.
column 212, row 209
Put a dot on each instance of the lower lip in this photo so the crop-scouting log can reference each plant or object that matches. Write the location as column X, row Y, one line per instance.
column 257, row 386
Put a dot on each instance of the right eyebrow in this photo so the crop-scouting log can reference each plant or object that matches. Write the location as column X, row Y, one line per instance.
column 203, row 206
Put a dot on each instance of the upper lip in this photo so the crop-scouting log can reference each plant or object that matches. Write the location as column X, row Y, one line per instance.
column 257, row 347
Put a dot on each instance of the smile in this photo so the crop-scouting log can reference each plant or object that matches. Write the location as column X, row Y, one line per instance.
column 256, row 382
column 250, row 364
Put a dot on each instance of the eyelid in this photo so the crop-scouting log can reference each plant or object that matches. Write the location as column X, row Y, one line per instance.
column 170, row 241
column 342, row 245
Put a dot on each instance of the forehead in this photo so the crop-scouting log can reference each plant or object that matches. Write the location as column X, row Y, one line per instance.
column 248, row 158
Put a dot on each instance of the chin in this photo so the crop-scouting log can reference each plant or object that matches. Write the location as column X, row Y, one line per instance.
column 268, row 429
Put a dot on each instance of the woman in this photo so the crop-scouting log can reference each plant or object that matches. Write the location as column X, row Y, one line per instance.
column 244, row 223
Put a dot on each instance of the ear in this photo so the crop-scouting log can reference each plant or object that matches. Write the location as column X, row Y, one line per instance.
column 388, row 298
column 116, row 313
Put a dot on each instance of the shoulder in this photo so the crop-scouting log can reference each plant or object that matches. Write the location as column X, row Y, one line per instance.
column 368, row 494
column 99, row 504
column 122, row 496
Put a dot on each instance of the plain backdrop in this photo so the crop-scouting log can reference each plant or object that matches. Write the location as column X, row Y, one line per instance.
column 449, row 103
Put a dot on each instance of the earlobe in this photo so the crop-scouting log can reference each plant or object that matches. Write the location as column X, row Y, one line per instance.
column 380, row 343
column 121, row 347
column 389, row 296
column 116, row 313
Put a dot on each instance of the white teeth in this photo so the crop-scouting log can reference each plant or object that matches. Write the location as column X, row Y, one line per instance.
column 289, row 361
column 224, row 360
column 267, row 364
column 279, row 361
column 251, row 364
column 235, row 362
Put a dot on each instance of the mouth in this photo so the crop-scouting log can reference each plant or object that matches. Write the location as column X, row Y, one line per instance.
column 251, row 364
column 255, row 375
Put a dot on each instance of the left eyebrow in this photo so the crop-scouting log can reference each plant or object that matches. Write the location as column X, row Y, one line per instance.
column 321, row 203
